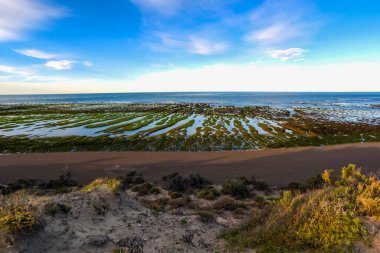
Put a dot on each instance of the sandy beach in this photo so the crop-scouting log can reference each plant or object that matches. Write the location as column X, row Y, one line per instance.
column 278, row 167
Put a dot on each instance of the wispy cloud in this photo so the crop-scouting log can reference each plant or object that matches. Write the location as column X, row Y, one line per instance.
column 279, row 21
column 294, row 54
column 88, row 64
column 37, row 54
column 60, row 65
column 164, row 7
column 188, row 44
column 180, row 25
column 12, row 70
column 18, row 17
column 205, row 47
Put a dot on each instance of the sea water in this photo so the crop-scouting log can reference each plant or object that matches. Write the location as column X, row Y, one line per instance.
column 345, row 100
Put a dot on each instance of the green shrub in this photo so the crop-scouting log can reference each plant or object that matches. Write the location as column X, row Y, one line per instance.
column 236, row 187
column 53, row 208
column 133, row 178
column 19, row 185
column 313, row 183
column 261, row 185
column 145, row 189
column 294, row 186
column 183, row 221
column 209, row 193
column 177, row 183
column 64, row 181
column 60, row 185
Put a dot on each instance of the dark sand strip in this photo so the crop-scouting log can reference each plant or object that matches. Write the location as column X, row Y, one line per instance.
column 278, row 167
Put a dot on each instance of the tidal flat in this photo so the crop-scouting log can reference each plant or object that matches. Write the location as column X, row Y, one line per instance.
column 178, row 127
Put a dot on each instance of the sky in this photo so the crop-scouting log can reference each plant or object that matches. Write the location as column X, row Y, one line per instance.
column 91, row 46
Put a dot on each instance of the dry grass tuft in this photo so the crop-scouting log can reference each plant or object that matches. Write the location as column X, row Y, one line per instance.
column 16, row 218
column 112, row 183
column 327, row 219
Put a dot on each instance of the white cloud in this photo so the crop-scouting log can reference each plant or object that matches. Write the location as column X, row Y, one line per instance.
column 36, row 54
column 60, row 65
column 294, row 54
column 20, row 16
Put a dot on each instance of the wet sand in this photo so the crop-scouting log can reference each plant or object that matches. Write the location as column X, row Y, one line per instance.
column 278, row 167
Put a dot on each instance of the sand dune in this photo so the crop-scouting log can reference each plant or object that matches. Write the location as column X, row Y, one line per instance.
column 278, row 167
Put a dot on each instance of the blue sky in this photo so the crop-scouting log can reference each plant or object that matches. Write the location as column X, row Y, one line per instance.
column 70, row 46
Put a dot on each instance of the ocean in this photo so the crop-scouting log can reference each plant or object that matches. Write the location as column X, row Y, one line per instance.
column 344, row 100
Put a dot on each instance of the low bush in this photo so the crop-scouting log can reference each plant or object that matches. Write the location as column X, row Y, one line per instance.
column 19, row 185
column 313, row 183
column 145, row 189
column 228, row 204
column 60, row 185
column 54, row 208
column 294, row 186
column 261, row 185
column 183, row 221
column 236, row 187
column 177, row 183
column 209, row 193
column 133, row 178
column 62, row 182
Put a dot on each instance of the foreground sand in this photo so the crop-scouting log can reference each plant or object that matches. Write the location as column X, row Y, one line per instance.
column 277, row 167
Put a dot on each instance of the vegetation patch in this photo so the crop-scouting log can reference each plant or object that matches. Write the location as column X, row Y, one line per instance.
column 145, row 189
column 236, row 187
column 17, row 219
column 228, row 204
column 179, row 127
column 55, row 208
column 113, row 184
column 327, row 219
column 210, row 193
column 177, row 183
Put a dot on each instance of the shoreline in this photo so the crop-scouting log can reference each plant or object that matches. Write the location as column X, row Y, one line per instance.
column 276, row 166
